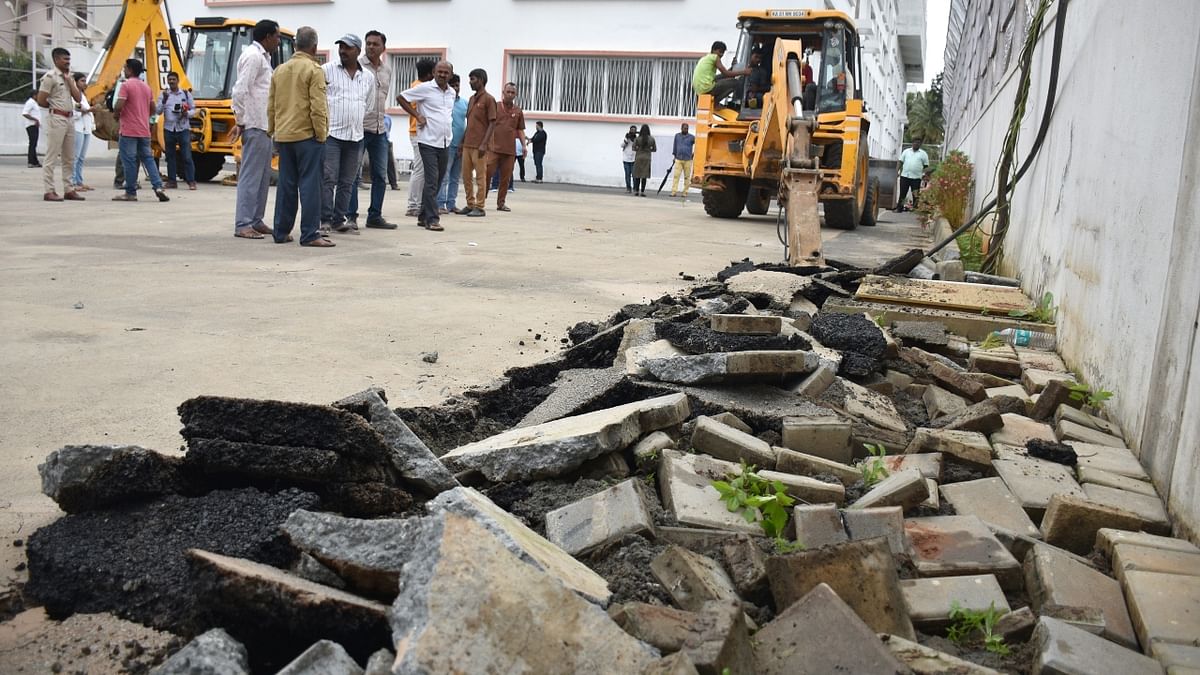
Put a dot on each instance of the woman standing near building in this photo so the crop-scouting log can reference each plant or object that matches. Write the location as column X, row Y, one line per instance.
column 84, row 124
column 643, row 148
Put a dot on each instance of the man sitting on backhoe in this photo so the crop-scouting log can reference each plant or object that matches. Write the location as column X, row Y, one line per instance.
column 712, row 77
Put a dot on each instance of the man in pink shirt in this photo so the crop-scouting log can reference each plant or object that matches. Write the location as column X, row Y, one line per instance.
column 133, row 106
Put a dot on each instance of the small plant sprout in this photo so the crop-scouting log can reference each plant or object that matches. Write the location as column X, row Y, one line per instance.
column 873, row 469
column 759, row 500
column 1043, row 313
column 783, row 546
column 992, row 341
column 1082, row 393
column 966, row 623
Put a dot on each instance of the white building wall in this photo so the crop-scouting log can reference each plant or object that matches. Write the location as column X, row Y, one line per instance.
column 477, row 33
column 1106, row 217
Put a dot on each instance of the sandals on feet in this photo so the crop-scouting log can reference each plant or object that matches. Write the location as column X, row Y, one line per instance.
column 435, row 227
column 248, row 234
column 319, row 242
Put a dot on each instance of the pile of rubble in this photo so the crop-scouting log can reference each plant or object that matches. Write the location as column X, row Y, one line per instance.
column 950, row 509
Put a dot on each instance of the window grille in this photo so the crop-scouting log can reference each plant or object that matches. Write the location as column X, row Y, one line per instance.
column 621, row 86
column 404, row 71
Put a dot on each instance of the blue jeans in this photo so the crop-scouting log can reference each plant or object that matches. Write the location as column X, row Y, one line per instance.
column 628, row 176
column 81, row 145
column 182, row 140
column 132, row 150
column 376, row 146
column 300, row 168
column 342, row 161
column 448, row 193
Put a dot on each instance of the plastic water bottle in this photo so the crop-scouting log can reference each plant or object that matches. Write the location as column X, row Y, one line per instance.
column 1019, row 337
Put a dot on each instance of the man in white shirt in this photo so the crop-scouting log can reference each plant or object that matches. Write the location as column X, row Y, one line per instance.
column 434, row 132
column 913, row 163
column 348, row 89
column 250, row 94
column 376, row 130
column 33, row 126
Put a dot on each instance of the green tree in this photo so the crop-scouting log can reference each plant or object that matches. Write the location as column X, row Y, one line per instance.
column 925, row 118
column 14, row 76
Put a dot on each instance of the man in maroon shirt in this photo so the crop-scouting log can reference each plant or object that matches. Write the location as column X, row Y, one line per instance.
column 481, row 115
column 133, row 106
column 502, row 142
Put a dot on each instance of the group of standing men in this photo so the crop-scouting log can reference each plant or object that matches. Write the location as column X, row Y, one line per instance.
column 321, row 118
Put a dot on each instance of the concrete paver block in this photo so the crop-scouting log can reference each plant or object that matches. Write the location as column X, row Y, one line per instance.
column 1068, row 412
column 725, row 442
column 946, row 546
column 827, row 437
column 924, row 660
column 1107, row 539
column 992, row 501
column 1087, row 474
column 600, row 519
column 1034, row 379
column 1019, row 429
column 1148, row 508
column 862, row 573
column 1177, row 659
column 650, row 448
column 789, row 461
column 815, row 383
column 930, row 600
column 747, row 566
column 734, row 421
column 656, row 349
column 819, row 525
column 872, row 407
column 1014, row 390
column 688, row 494
column 1107, row 458
column 970, row 447
column 692, row 579
column 1055, row 580
column 1066, row 430
column 985, row 362
column 1131, row 557
column 1040, row 360
column 746, row 324
column 928, row 463
column 820, row 633
column 1035, row 481
column 905, row 489
column 957, row 382
column 940, row 403
column 1063, row 649
column 1164, row 607
column 324, row 657
column 1072, row 522
column 884, row 521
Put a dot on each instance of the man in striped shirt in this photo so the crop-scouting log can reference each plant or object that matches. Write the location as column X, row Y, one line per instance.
column 348, row 89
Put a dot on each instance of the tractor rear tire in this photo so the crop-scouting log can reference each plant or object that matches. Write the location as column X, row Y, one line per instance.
column 870, row 212
column 208, row 165
column 759, row 201
column 841, row 214
column 727, row 203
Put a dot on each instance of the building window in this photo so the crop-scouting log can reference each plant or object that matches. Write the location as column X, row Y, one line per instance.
column 404, row 71
column 81, row 16
column 617, row 86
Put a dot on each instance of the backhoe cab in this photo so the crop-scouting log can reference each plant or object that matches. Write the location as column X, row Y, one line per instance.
column 740, row 153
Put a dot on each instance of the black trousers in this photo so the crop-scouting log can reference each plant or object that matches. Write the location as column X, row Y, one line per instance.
column 32, row 131
column 905, row 184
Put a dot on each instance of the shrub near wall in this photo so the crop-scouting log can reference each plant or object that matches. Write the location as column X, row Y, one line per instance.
column 948, row 191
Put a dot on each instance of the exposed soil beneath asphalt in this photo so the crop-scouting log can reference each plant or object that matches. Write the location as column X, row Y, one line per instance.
column 698, row 338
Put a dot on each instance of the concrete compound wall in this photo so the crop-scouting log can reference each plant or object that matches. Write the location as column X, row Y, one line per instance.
column 1106, row 217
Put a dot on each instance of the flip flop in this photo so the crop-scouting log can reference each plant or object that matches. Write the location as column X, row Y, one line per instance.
column 320, row 242
column 248, row 234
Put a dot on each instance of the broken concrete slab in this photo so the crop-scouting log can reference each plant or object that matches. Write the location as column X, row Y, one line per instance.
column 281, row 423
column 777, row 289
column 1063, row 649
column 308, row 567
column 1035, row 482
column 658, row 349
column 1054, row 579
column 323, row 658
column 923, row 660
column 1177, row 659
column 1066, row 430
column 368, row 554
column 995, row 364
column 956, row 382
column 727, row 443
column 947, row 546
column 721, row 366
column 746, row 324
column 319, row 469
column 1013, row 390
column 1149, row 508
column 675, row 664
column 928, row 463
column 637, row 333
column 969, row 447
column 816, row 382
column 803, row 488
column 1016, row 626
column 259, row 603
column 574, row 391
column 559, row 446
column 688, row 494
column 1035, row 380
column 1087, row 474
column 747, row 567
column 664, row 628
column 884, row 521
column 1073, row 522
column 930, row 601
column 1131, row 557
column 467, row 605
column 905, row 489
column 87, row 477
column 862, row 573
column 1018, row 430
column 818, row 634
column 523, row 542
column 1037, row 359
column 729, row 419
column 789, row 461
column 940, row 403
column 1068, row 412
column 872, row 407
column 920, row 332
column 818, row 525
column 1106, row 458
column 1164, row 607
column 825, row 436
column 1107, row 539
column 982, row 417
column 611, row 466
column 863, row 435
column 692, row 579
column 649, row 448
column 600, row 519
column 214, row 652
column 1056, row 394
column 992, row 501
column 409, row 454
column 719, row 640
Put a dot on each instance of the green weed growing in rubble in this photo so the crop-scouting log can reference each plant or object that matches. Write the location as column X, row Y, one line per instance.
column 964, row 623
column 1043, row 313
column 1082, row 393
column 759, row 500
column 873, row 470
column 992, row 341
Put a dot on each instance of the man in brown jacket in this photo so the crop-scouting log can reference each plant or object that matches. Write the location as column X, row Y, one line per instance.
column 481, row 115
column 298, row 120
column 502, row 142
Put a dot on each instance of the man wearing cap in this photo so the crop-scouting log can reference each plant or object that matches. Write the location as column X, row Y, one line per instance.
column 348, row 89
column 434, row 132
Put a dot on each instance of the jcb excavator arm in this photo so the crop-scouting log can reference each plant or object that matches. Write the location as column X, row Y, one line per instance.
column 138, row 19
column 784, row 134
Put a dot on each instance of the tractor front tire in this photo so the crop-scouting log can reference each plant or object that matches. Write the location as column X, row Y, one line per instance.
column 759, row 201
column 208, row 165
column 729, row 202
column 841, row 214
column 870, row 214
